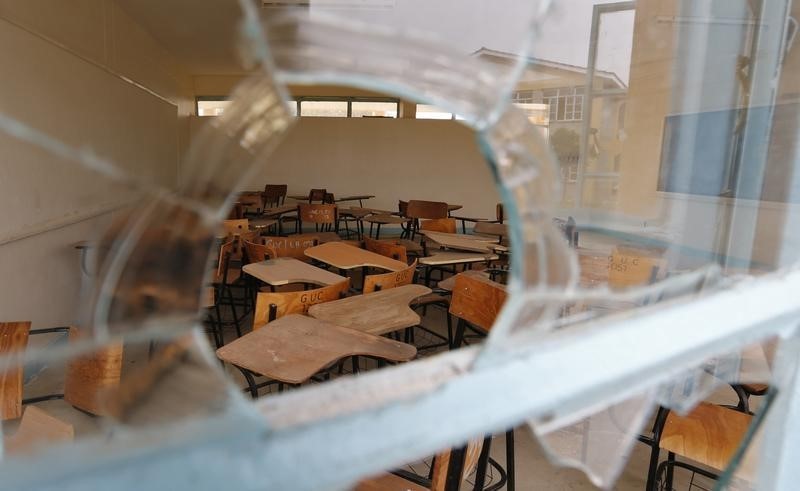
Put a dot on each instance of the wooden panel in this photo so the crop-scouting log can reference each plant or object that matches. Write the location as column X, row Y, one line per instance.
column 634, row 267
column 233, row 227
column 709, row 434
column 450, row 283
column 388, row 482
column 454, row 257
column 324, row 214
column 295, row 302
column 486, row 228
column 442, row 462
column 444, row 225
column 285, row 270
column 258, row 252
column 345, row 256
column 376, row 313
column 37, row 429
column 90, row 376
column 477, row 300
column 291, row 246
column 426, row 209
column 13, row 338
column 593, row 267
column 389, row 280
column 462, row 242
column 294, row 348
column 388, row 248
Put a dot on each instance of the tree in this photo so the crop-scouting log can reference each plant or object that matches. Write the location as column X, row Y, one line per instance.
column 566, row 145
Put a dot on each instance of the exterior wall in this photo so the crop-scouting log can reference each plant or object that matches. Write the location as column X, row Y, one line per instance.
column 85, row 74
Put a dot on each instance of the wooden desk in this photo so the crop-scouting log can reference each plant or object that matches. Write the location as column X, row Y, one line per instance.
column 451, row 208
column 285, row 270
column 293, row 348
column 462, row 242
column 374, row 313
column 298, row 197
column 279, row 210
column 358, row 197
column 345, row 256
column 447, row 257
column 450, row 282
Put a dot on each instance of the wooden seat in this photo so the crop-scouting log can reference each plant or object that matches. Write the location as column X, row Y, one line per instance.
column 89, row 376
column 388, row 248
column 274, row 305
column 439, row 477
column 708, row 435
column 37, row 429
column 375, row 282
column 13, row 339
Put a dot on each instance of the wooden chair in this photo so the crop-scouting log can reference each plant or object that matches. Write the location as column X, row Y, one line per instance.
column 470, row 459
column 632, row 266
column 428, row 210
column 709, row 436
column 376, row 282
column 274, row 195
column 222, row 279
column 274, row 305
column 317, row 195
column 292, row 246
column 445, row 225
column 476, row 302
column 91, row 375
column 324, row 217
column 13, row 339
column 499, row 230
column 388, row 248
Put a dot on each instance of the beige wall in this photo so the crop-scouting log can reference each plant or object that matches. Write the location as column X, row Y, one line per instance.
column 390, row 158
column 86, row 75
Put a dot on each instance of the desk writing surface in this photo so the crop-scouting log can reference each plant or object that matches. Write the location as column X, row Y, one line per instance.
column 375, row 313
column 285, row 270
column 295, row 347
column 346, row 256
column 455, row 257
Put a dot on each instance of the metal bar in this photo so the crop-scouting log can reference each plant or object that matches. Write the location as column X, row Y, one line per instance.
column 404, row 404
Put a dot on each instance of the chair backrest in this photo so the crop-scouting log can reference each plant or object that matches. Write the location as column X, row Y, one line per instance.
column 402, row 207
column 477, row 300
column 392, row 249
column 317, row 195
column 629, row 266
column 329, row 198
column 441, row 463
column 426, row 209
column 13, row 339
column 237, row 212
column 255, row 253
column 274, row 305
column 317, row 214
column 446, row 225
column 375, row 282
column 225, row 253
column 292, row 246
column 89, row 376
column 274, row 194
column 236, row 226
column 239, row 238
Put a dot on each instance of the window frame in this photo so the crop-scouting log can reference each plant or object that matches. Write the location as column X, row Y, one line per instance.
column 297, row 101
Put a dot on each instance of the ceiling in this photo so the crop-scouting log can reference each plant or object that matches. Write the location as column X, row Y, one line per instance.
column 201, row 35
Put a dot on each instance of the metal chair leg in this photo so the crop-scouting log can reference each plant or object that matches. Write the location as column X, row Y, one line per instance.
column 510, row 459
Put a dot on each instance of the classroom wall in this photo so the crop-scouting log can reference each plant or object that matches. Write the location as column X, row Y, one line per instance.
column 84, row 74
column 390, row 158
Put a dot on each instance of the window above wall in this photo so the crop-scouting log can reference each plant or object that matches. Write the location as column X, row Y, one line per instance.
column 565, row 103
column 320, row 107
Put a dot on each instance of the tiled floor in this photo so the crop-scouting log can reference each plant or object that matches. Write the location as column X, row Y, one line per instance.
column 533, row 470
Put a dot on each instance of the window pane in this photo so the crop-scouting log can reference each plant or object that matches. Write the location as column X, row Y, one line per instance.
column 211, row 108
column 361, row 109
column 325, row 109
column 426, row 111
